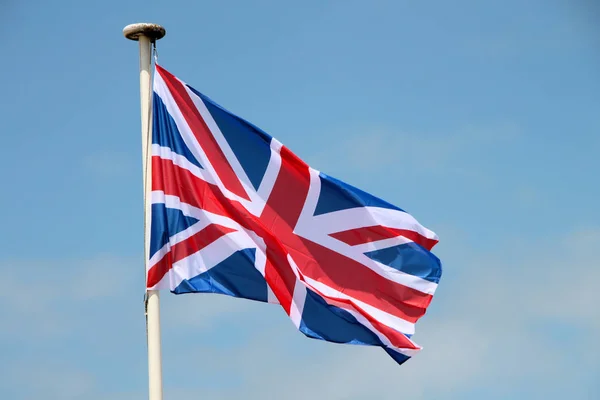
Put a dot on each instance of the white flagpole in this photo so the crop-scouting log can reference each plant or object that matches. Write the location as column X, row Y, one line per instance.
column 146, row 35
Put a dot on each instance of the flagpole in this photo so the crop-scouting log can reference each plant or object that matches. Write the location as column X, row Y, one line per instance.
column 146, row 35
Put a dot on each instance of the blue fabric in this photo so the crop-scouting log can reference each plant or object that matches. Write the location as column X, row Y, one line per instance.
column 250, row 144
column 235, row 276
column 410, row 258
column 165, row 223
column 337, row 195
column 165, row 132
column 333, row 324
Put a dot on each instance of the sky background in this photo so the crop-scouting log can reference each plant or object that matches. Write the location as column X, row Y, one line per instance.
column 482, row 119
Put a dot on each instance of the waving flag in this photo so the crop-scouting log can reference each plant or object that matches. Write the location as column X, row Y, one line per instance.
column 235, row 212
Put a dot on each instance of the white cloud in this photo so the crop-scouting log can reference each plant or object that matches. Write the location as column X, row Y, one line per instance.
column 46, row 378
column 501, row 320
column 105, row 276
column 35, row 295
column 201, row 311
column 110, row 164
column 22, row 302
column 372, row 150
column 501, row 326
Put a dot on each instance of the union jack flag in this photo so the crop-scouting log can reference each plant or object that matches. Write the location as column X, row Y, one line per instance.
column 235, row 212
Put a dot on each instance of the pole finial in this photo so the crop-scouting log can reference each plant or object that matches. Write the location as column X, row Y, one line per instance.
column 152, row 31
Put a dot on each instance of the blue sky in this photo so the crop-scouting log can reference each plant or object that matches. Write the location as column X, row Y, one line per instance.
column 479, row 118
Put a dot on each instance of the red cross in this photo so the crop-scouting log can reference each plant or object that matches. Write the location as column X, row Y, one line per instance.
column 276, row 226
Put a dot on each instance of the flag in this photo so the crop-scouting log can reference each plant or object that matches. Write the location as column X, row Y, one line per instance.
column 235, row 212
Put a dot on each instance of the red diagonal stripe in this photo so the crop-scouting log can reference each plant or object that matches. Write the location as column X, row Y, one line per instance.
column 158, row 270
column 324, row 265
column 378, row 232
column 177, row 181
column 202, row 133
column 199, row 241
column 276, row 228
column 185, row 248
column 396, row 338
column 360, row 282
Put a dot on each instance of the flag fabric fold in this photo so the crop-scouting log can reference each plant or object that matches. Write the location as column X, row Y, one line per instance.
column 235, row 212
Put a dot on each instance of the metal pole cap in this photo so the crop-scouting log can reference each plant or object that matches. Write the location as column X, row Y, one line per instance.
column 151, row 31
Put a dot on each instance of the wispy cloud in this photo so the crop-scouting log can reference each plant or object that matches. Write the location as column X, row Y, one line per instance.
column 47, row 378
column 204, row 311
column 503, row 319
column 35, row 296
column 110, row 164
column 377, row 150
column 501, row 327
